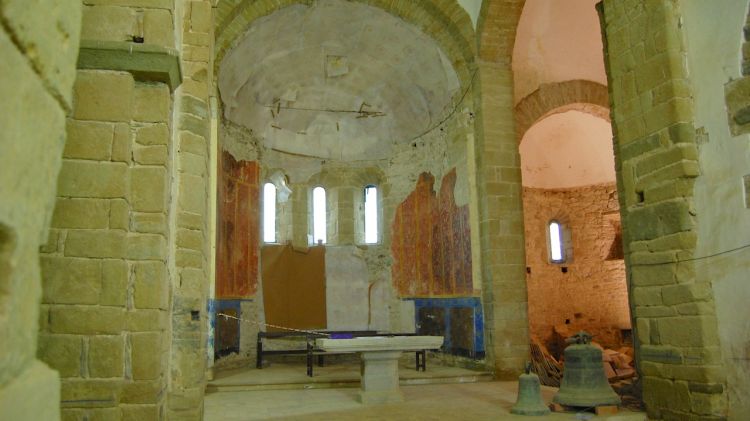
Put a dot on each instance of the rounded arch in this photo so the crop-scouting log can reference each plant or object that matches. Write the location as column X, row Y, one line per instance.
column 496, row 29
column 446, row 22
column 552, row 98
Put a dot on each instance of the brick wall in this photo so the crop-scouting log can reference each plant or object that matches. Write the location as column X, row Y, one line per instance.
column 592, row 295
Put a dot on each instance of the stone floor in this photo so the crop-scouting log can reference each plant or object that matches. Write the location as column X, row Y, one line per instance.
column 282, row 391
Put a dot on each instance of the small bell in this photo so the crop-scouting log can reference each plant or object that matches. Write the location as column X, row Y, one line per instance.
column 529, row 395
column 584, row 383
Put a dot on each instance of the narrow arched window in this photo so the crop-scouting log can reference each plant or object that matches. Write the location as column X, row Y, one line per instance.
column 269, row 213
column 371, row 214
column 556, row 248
column 319, row 215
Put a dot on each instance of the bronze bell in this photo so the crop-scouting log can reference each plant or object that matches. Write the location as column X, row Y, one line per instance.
column 529, row 400
column 584, row 383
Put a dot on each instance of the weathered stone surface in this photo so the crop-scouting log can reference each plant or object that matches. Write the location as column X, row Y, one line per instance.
column 150, row 155
column 154, row 223
column 193, row 164
column 105, row 356
column 148, row 190
column 92, row 179
column 86, row 320
column 142, row 392
column 146, row 320
column 189, row 258
column 88, row 393
column 192, row 143
column 121, row 144
column 70, row 281
column 34, row 394
column 693, row 331
column 114, row 283
column 140, row 412
column 103, row 95
column 155, row 134
column 95, row 243
column 62, row 353
column 150, row 285
column 147, row 355
column 81, row 213
column 88, row 140
column 190, row 239
column 192, row 194
column 119, row 214
column 151, row 103
column 147, row 247
column 158, row 28
column 108, row 23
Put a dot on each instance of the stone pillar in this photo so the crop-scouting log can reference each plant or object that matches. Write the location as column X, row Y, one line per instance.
column 379, row 372
column 656, row 156
column 38, row 46
column 501, row 223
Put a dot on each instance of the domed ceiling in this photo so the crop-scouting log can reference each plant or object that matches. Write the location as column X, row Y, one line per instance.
column 336, row 80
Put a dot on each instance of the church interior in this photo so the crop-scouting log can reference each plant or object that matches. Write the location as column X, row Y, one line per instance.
column 193, row 189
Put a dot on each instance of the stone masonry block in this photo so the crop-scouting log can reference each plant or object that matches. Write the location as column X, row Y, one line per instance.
column 190, row 239
column 694, row 331
column 150, row 155
column 663, row 393
column 155, row 134
column 114, row 283
column 150, row 285
column 189, row 259
column 151, row 103
column 660, row 219
column 146, row 355
column 148, row 190
column 200, row 16
column 687, row 293
column 106, row 356
column 119, row 214
column 192, row 194
column 193, row 164
column 62, row 353
column 158, row 28
column 70, row 280
column 103, row 95
column 144, row 320
column 81, row 213
column 90, row 393
column 104, row 414
column 192, row 143
column 92, row 179
column 108, row 23
column 95, row 243
column 121, row 144
column 147, row 247
column 88, row 140
column 139, row 412
column 153, row 223
column 86, row 320
column 142, row 392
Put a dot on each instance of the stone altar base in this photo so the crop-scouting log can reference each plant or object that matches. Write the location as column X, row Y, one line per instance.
column 380, row 378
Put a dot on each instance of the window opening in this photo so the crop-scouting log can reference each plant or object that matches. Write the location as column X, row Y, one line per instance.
column 269, row 213
column 557, row 254
column 319, row 215
column 371, row 214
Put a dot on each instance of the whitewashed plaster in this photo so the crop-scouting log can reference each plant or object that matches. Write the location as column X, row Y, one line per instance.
column 568, row 149
column 714, row 41
column 557, row 41
column 335, row 55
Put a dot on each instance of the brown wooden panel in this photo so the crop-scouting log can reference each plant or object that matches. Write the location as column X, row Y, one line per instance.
column 294, row 294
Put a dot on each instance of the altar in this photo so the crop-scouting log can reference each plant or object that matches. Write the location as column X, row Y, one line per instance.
column 379, row 365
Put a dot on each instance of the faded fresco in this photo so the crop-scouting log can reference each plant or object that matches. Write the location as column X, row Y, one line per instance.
column 238, row 229
column 431, row 242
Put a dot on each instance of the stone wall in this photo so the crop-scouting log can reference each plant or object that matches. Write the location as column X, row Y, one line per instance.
column 106, row 293
column 656, row 150
column 588, row 291
column 38, row 53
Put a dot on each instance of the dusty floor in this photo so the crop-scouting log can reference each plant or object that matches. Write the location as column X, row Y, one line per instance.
column 440, row 393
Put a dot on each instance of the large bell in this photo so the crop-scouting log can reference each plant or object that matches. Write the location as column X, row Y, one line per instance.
column 584, row 383
column 529, row 400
